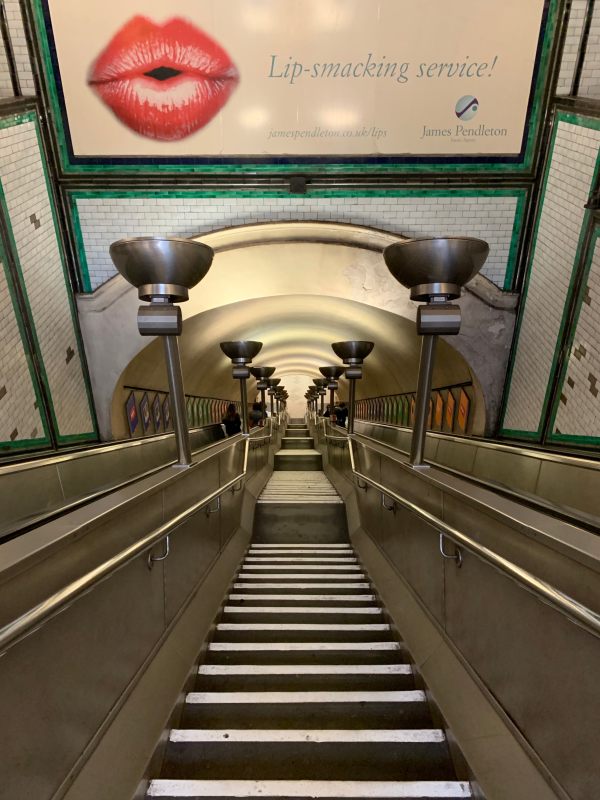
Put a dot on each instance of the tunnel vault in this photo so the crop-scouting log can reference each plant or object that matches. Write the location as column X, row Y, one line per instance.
column 297, row 287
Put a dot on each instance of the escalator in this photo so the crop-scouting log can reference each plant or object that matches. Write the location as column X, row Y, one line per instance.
column 305, row 689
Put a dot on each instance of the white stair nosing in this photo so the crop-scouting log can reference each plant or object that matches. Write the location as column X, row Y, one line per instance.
column 277, row 698
column 316, row 567
column 300, row 626
column 301, row 610
column 296, row 559
column 285, row 585
column 383, row 790
column 292, row 544
column 306, row 646
column 323, row 598
column 299, row 576
column 305, row 669
column 309, row 736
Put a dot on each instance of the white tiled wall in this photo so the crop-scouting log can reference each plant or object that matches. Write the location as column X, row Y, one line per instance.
column 6, row 89
column 30, row 218
column 19, row 415
column 579, row 405
column 19, row 46
column 568, row 187
column 571, row 47
column 589, row 85
column 104, row 219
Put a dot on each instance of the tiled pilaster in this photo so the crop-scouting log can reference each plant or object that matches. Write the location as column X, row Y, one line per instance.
column 568, row 183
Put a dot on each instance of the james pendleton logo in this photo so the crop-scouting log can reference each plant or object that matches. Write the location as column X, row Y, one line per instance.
column 466, row 107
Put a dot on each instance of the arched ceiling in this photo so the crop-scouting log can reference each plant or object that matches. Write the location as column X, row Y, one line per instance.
column 297, row 332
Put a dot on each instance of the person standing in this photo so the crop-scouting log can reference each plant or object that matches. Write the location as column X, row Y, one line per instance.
column 232, row 421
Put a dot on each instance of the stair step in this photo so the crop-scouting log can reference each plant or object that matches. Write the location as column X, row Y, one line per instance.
column 341, row 588
column 323, row 755
column 298, row 576
column 306, row 598
column 314, row 546
column 306, row 789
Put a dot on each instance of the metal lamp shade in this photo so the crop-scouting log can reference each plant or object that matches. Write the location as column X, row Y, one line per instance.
column 262, row 373
column 331, row 373
column 241, row 352
column 436, row 267
column 352, row 352
column 160, row 267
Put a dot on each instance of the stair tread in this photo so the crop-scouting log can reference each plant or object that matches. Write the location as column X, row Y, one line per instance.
column 309, row 789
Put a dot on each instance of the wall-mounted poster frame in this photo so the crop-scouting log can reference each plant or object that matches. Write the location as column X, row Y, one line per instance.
column 462, row 415
column 438, row 412
column 166, row 409
column 157, row 413
column 145, row 412
column 450, row 411
column 57, row 69
column 131, row 412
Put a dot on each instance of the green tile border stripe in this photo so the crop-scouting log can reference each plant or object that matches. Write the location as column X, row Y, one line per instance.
column 586, row 122
column 520, row 193
column 63, row 439
column 42, row 440
column 535, row 117
column 567, row 437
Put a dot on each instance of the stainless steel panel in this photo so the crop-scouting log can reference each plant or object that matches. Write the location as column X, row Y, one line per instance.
column 412, row 546
column 22, row 498
column 59, row 684
column 537, row 664
column 507, row 469
column 573, row 487
column 458, row 455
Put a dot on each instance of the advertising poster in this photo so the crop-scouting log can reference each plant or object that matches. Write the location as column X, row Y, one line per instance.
column 302, row 78
column 166, row 407
column 413, row 402
column 438, row 415
column 156, row 413
column 145, row 412
column 450, row 407
column 462, row 417
column 131, row 413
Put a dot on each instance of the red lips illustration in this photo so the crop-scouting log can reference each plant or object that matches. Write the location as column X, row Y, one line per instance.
column 163, row 81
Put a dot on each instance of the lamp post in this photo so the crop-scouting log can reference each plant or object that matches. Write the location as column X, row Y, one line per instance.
column 241, row 354
column 163, row 270
column 321, row 383
column 332, row 374
column 352, row 353
column 273, row 384
column 435, row 270
column 262, row 375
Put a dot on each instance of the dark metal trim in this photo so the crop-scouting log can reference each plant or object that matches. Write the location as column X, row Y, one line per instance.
column 10, row 53
column 583, row 43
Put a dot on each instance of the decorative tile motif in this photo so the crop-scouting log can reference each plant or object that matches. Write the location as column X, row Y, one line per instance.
column 18, row 40
column 571, row 47
column 105, row 219
column 568, row 187
column 36, row 246
column 580, row 414
column 18, row 409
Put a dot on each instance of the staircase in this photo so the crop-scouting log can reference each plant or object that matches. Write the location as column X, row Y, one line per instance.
column 305, row 690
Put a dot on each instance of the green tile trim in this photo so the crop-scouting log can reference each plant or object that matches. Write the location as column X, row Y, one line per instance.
column 69, row 292
column 17, row 119
column 15, row 253
column 519, row 193
column 25, row 444
column 586, row 122
column 537, row 108
column 564, row 437
column 45, row 439
column 511, row 262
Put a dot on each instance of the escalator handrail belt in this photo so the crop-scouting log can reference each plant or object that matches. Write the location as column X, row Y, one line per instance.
column 34, row 617
column 571, row 608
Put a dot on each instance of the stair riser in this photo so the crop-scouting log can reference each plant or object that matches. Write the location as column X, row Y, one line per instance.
column 294, row 761
column 304, row 683
column 308, row 715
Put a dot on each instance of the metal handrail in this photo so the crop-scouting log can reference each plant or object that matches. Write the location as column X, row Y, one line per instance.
column 40, row 614
column 573, row 610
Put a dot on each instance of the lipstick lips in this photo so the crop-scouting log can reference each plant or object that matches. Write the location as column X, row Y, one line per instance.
column 163, row 81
